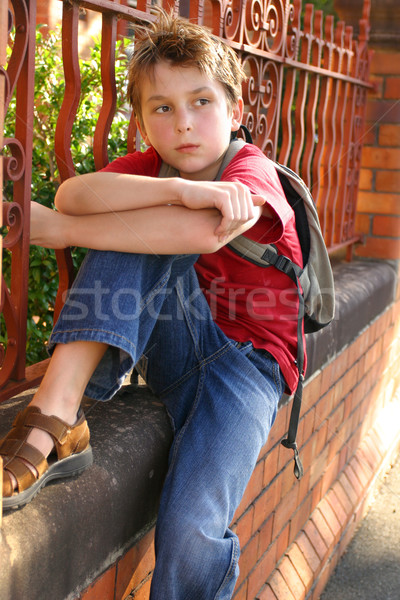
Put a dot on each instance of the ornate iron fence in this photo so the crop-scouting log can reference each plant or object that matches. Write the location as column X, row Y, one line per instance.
column 305, row 101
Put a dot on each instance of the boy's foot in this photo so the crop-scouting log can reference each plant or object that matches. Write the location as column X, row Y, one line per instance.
column 26, row 470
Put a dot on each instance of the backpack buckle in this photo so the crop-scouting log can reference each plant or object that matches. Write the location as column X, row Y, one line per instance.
column 283, row 263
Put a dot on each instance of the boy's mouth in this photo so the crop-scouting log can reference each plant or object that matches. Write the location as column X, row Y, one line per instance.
column 187, row 148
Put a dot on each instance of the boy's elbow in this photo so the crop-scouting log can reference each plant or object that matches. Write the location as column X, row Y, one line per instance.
column 209, row 244
column 60, row 200
column 65, row 197
column 212, row 245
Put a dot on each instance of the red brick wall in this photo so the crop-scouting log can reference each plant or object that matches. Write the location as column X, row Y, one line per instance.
column 293, row 533
column 379, row 197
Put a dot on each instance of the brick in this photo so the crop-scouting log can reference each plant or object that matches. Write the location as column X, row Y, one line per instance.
column 366, row 179
column 343, row 498
column 282, row 542
column 292, row 578
column 309, row 553
column 284, row 457
column 265, row 504
column 373, row 202
column 312, row 391
column 318, row 465
column 370, row 137
column 266, row 594
column 375, row 452
column 362, row 474
column 135, row 565
column 303, row 484
column 259, row 576
column 378, row 83
column 271, row 465
column 240, row 592
column 324, row 407
column 336, row 443
column 380, row 158
column 323, row 528
column 316, row 539
column 316, row 494
column 300, row 518
column 301, row 565
column 280, row 426
column 330, row 518
column 384, row 111
column 287, row 477
column 327, row 379
column 280, row 587
column 385, row 248
column 387, row 226
column 143, row 592
column 388, row 181
column 336, row 418
column 392, row 88
column 363, row 223
column 330, row 474
column 322, row 580
column 355, row 481
column 347, row 536
column 244, row 526
column 267, row 562
column 389, row 135
column 309, row 421
column 103, row 587
column 366, row 461
column 265, row 537
column 385, row 63
column 307, row 452
column 248, row 559
column 284, row 511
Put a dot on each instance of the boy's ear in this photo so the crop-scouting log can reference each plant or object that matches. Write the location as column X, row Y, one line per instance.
column 237, row 114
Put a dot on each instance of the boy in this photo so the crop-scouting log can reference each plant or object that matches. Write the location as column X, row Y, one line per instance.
column 214, row 336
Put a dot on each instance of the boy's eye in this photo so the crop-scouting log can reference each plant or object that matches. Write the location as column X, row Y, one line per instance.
column 162, row 109
column 202, row 101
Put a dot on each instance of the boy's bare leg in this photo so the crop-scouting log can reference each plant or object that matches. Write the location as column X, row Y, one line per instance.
column 63, row 385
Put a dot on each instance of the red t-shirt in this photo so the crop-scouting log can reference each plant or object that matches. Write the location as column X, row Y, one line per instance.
column 248, row 302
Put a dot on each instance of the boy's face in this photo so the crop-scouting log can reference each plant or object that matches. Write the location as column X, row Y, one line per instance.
column 187, row 119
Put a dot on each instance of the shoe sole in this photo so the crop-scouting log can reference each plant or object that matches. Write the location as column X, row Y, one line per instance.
column 67, row 467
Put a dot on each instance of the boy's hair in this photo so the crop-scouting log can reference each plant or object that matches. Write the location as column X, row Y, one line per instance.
column 182, row 43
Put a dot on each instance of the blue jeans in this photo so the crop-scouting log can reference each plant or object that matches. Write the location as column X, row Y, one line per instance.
column 221, row 396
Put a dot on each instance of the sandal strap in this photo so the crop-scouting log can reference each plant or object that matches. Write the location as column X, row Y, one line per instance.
column 33, row 417
column 23, row 475
column 24, row 451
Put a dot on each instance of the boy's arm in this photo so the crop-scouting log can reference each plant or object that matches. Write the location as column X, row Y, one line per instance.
column 96, row 193
column 100, row 193
column 157, row 230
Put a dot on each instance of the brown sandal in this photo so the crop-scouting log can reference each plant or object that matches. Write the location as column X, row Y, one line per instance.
column 72, row 454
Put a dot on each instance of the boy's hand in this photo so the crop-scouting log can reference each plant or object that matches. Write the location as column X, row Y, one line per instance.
column 233, row 200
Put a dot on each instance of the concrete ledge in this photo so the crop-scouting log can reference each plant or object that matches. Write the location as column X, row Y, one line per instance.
column 74, row 531
column 363, row 290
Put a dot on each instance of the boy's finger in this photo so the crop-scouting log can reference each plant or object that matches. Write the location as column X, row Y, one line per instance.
column 258, row 200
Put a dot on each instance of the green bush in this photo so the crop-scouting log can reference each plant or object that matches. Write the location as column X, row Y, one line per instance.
column 49, row 90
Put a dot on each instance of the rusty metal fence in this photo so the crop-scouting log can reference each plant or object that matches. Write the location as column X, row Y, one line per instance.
column 305, row 100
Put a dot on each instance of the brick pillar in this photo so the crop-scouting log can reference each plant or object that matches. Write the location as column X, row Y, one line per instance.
column 378, row 215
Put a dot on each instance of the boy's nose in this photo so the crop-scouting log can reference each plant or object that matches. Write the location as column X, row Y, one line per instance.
column 183, row 123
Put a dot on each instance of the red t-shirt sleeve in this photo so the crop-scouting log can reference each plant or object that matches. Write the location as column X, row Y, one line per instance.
column 136, row 163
